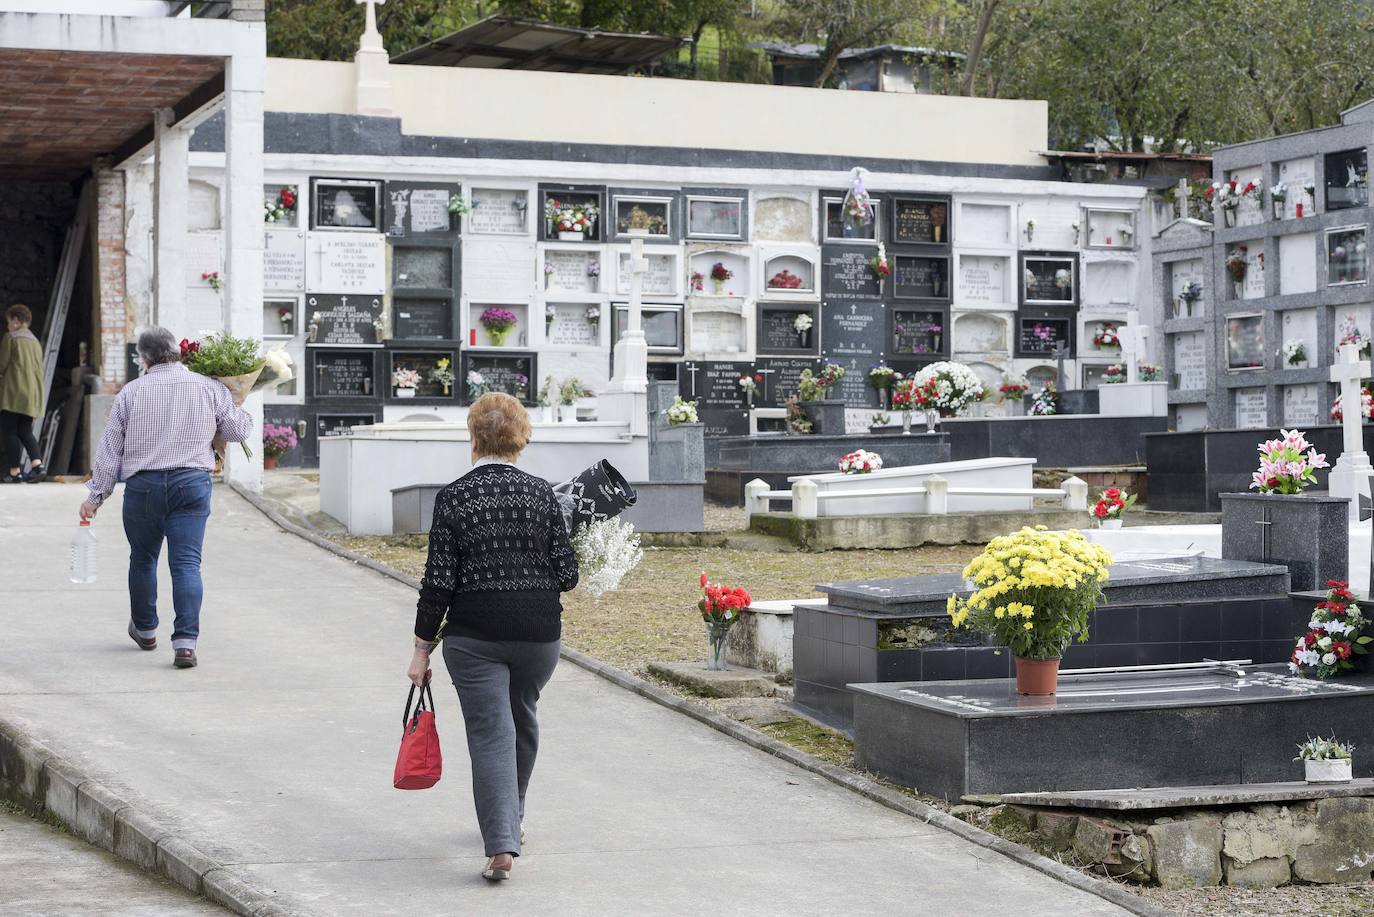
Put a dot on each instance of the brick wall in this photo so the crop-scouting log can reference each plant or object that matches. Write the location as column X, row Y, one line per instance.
column 115, row 324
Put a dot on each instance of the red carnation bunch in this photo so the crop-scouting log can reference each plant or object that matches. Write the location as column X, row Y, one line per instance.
column 1113, row 503
column 721, row 604
column 189, row 347
column 909, row 396
column 287, row 198
column 1334, row 635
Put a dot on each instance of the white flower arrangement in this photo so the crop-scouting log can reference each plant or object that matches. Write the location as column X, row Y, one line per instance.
column 682, row 411
column 1294, row 352
column 861, row 461
column 803, row 323
column 606, row 550
column 956, row 386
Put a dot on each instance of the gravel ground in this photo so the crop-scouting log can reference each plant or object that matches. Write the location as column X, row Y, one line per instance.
column 653, row 617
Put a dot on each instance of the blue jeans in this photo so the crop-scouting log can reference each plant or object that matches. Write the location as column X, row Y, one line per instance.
column 172, row 504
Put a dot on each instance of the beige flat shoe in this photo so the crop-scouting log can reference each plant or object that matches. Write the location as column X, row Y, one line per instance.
column 498, row 873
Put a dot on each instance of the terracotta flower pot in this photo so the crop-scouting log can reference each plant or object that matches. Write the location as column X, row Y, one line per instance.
column 269, row 462
column 1036, row 676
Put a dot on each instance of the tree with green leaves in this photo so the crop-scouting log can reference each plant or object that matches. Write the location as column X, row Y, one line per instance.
column 330, row 29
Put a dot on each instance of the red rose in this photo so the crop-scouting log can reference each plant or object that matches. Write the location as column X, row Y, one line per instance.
column 1208, row 193
column 1112, row 493
column 758, row 378
column 1336, row 608
column 1100, row 510
column 1272, row 482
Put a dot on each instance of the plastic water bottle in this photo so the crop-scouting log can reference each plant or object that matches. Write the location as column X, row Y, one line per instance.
column 83, row 554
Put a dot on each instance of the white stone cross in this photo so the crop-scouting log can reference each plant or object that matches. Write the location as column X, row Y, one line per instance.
column 638, row 266
column 767, row 377
column 371, row 37
column 1132, row 344
column 1350, row 371
column 692, row 368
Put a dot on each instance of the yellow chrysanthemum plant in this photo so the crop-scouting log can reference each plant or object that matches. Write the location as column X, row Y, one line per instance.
column 1033, row 590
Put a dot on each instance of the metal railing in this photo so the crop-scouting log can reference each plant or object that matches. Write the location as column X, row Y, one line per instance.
column 806, row 495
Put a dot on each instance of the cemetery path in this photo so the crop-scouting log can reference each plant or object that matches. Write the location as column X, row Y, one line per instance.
column 274, row 757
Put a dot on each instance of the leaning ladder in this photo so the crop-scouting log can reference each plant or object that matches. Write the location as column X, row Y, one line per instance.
column 60, row 301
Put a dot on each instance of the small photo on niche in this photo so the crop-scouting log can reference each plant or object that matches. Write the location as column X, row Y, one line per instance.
column 345, row 203
column 1347, row 179
column 643, row 216
column 840, row 229
column 1347, row 257
column 715, row 217
column 1244, row 342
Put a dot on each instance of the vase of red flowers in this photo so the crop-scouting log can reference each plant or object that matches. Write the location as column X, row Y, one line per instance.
column 720, row 607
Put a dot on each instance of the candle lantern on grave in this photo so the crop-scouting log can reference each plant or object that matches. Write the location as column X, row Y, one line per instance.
column 856, row 210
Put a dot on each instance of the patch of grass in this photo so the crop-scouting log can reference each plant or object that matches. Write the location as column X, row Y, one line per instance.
column 830, row 746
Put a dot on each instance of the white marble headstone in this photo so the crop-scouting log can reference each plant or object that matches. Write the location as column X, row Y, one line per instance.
column 283, row 259
column 1297, row 263
column 346, row 262
column 984, row 224
column 1250, row 409
column 498, row 269
column 983, row 280
column 1301, row 406
column 782, row 219
column 1190, row 360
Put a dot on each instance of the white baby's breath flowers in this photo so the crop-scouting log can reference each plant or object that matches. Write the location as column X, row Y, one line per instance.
column 606, row 550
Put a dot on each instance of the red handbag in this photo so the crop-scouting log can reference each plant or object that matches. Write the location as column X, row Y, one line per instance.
column 419, row 763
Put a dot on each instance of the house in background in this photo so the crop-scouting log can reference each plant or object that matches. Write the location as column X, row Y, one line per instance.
column 886, row 68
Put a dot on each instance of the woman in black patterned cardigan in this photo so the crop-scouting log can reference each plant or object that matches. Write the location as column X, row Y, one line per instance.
column 499, row 557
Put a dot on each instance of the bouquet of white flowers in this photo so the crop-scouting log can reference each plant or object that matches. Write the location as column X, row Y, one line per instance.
column 682, row 411
column 606, row 550
column 956, row 385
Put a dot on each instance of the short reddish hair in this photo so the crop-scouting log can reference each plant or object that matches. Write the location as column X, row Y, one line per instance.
column 21, row 312
column 499, row 426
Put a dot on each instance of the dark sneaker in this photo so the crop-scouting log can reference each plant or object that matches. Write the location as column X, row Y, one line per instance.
column 149, row 644
column 185, row 659
column 12, row 479
column 36, row 475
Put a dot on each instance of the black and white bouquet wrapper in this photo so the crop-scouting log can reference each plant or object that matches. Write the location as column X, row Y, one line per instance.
column 606, row 548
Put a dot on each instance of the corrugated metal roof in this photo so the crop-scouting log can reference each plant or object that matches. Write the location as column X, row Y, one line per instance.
column 507, row 43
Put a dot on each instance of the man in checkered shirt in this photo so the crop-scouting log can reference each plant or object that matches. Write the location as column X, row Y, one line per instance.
column 157, row 441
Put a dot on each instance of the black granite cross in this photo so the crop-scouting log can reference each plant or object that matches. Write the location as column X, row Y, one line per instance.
column 1265, row 524
column 1060, row 352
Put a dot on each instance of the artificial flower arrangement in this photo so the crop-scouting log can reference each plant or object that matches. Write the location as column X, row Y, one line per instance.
column 1013, row 388
column 1334, row 635
column 1149, row 372
column 802, row 323
column 857, row 205
column 1326, row 761
column 719, row 274
column 278, row 210
column 1191, row 293
column 1223, row 194
column 881, row 377
column 861, row 461
column 442, row 373
column 1278, row 195
column 1107, row 335
column 956, row 387
column 580, row 218
column 697, row 281
column 813, row 386
column 879, row 262
column 1253, row 193
column 1042, row 332
column 1063, row 278
column 277, row 440
column 1113, row 504
column 285, row 316
column 1030, row 230
column 498, row 322
column 797, row 421
column 681, row 411
column 1045, row 402
column 750, row 384
column 720, row 607
column 593, row 314
column 910, row 395
column 784, row 280
column 1033, row 592
column 1114, row 374
column 1309, row 187
column 1287, row 465
column 458, row 205
column 477, row 385
column 403, row 377
column 593, row 268
column 548, row 392
column 213, row 279
column 521, row 383
column 1350, row 334
column 550, row 313
column 606, row 550
column 879, row 419
column 1295, row 353
column 1236, row 264
column 572, row 390
column 1366, row 406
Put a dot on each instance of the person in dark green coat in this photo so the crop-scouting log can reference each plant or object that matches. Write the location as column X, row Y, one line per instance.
column 21, row 395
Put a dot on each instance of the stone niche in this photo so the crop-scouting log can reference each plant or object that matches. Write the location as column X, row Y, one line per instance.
column 979, row 332
column 1181, row 274
column 716, row 327
column 783, row 218
column 788, row 273
column 986, row 224
column 1294, row 173
column 498, row 268
column 1109, row 283
column 702, row 261
column 1297, row 263
column 1045, row 223
column 1354, row 318
column 1302, row 405
column 1247, row 214
column 1190, row 417
column 984, row 281
column 1299, row 326
column 1250, row 407
column 202, row 207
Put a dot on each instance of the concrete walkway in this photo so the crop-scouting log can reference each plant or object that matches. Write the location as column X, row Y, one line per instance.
column 275, row 756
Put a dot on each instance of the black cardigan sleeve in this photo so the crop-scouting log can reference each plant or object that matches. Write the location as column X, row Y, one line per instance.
column 561, row 555
column 441, row 569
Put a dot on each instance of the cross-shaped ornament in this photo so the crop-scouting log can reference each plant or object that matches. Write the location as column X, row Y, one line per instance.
column 371, row 37
column 692, row 368
column 766, row 373
column 1060, row 353
column 1350, row 372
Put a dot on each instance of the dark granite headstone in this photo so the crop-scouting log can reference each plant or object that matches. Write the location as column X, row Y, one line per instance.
column 919, row 220
column 778, row 333
column 346, row 320
column 854, row 335
column 780, row 379
column 425, row 362
column 920, row 277
column 722, row 405
column 415, row 208
column 1040, row 333
column 1309, row 535
column 847, row 273
column 1049, row 278
column 422, row 267
column 342, row 373
column 512, row 373
column 422, row 320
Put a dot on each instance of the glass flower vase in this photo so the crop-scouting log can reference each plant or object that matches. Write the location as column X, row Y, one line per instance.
column 716, row 635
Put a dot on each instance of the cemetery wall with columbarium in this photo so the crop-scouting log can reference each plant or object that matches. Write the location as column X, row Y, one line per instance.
column 1255, row 354
column 995, row 263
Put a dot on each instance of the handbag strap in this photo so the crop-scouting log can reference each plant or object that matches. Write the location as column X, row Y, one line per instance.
column 420, row 707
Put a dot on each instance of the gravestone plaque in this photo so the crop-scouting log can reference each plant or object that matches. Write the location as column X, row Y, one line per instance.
column 918, row 332
column 1109, row 282
column 340, row 424
column 420, row 208
column 915, row 277
column 1347, row 179
column 662, row 326
column 201, row 256
column 847, row 273
column 660, row 276
column 572, row 272
column 1250, row 412
column 1043, row 334
column 920, row 220
column 778, row 330
column 559, row 199
column 422, row 319
column 422, row 268
column 499, row 269
column 344, row 373
column 976, row 332
column 780, row 379
column 1190, row 360
column 854, row 336
column 984, row 224
column 1295, row 173
column 1181, row 275
column 722, row 405
column 1301, row 406
column 1048, row 280
column 509, row 373
column 346, row 262
column 1244, row 342
column 715, row 218
column 283, row 259
column 425, row 363
column 343, row 320
column 782, row 219
column 717, row 332
column 570, row 326
column 983, row 280
column 345, row 203
column 498, row 212
column 1253, row 285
